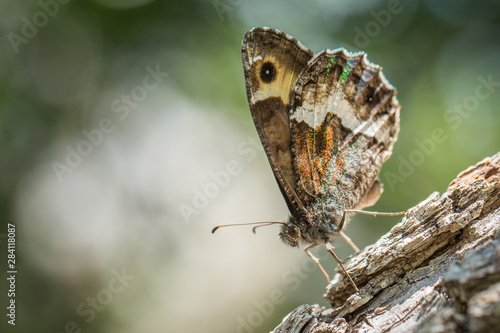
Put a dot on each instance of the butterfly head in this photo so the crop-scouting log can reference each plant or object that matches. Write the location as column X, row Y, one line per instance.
column 290, row 234
column 312, row 228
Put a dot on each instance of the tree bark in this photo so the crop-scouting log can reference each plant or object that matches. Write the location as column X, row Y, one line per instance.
column 438, row 270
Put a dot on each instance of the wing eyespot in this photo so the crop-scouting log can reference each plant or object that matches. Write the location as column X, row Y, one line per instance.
column 268, row 72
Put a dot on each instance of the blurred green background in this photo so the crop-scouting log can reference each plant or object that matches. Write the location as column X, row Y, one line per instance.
column 121, row 120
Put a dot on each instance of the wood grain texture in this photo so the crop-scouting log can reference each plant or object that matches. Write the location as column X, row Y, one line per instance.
column 438, row 270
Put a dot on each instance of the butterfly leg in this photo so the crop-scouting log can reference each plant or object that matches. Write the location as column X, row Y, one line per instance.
column 316, row 260
column 376, row 213
column 350, row 242
column 347, row 239
column 329, row 248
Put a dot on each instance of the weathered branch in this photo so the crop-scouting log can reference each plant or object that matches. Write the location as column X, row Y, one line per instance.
column 438, row 270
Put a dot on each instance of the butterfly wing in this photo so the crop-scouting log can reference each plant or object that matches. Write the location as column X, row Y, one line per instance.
column 371, row 196
column 344, row 122
column 272, row 62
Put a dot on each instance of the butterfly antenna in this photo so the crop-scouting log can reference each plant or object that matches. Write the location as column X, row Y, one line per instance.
column 262, row 224
column 265, row 225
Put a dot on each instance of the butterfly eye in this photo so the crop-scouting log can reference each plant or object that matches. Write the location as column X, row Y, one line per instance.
column 293, row 232
column 267, row 72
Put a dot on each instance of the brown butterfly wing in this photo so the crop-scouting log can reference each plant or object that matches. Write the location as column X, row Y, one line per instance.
column 371, row 196
column 344, row 122
column 272, row 62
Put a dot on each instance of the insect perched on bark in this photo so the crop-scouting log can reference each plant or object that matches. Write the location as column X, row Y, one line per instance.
column 327, row 123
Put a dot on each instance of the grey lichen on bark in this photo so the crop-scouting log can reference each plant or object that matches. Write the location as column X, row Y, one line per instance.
column 438, row 270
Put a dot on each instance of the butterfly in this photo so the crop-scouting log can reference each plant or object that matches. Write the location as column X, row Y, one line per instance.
column 327, row 123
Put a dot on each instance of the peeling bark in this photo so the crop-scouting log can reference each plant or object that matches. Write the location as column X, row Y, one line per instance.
column 438, row 270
